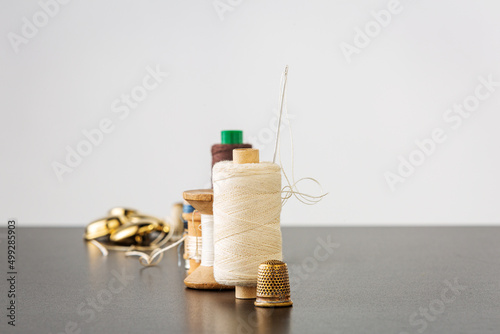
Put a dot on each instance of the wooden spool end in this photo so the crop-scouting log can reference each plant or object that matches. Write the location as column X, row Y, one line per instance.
column 246, row 292
column 203, row 279
column 193, row 265
column 246, row 156
column 201, row 199
column 194, row 229
column 189, row 217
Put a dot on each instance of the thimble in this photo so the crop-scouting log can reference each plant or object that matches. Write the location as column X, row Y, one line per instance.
column 273, row 285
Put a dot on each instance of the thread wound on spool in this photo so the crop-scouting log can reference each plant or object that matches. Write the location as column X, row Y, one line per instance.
column 194, row 246
column 247, row 207
column 207, row 250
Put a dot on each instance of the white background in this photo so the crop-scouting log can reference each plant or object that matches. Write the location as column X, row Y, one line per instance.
column 350, row 121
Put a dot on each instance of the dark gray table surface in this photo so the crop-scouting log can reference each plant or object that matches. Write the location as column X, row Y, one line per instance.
column 365, row 280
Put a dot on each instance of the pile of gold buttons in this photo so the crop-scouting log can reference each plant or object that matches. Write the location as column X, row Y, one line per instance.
column 127, row 229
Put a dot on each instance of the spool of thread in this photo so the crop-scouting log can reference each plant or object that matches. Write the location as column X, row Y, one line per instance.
column 186, row 208
column 230, row 140
column 177, row 221
column 193, row 241
column 203, row 276
column 247, row 207
column 207, row 250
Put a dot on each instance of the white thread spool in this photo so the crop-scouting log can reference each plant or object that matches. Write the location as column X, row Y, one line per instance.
column 207, row 250
column 247, row 207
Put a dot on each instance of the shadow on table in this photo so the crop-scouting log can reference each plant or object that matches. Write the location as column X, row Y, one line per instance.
column 220, row 312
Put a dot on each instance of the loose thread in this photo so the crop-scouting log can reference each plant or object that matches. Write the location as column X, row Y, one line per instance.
column 193, row 243
column 99, row 246
column 156, row 255
column 155, row 244
column 292, row 188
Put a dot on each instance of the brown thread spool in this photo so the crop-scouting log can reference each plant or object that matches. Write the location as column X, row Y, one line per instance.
column 224, row 152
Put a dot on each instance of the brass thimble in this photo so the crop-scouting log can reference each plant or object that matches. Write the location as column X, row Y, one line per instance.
column 273, row 285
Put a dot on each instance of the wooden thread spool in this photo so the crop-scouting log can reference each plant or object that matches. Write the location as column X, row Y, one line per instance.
column 203, row 277
column 194, row 230
column 246, row 156
column 176, row 218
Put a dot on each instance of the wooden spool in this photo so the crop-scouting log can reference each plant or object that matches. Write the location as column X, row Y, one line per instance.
column 177, row 224
column 203, row 277
column 194, row 230
column 246, row 156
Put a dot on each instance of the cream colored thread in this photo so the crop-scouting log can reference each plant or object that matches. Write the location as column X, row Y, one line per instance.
column 192, row 245
column 247, row 206
column 103, row 249
column 292, row 188
column 207, row 237
column 157, row 243
column 156, row 255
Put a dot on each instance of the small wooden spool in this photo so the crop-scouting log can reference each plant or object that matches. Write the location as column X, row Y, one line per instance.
column 203, row 277
column 246, row 156
column 177, row 224
column 194, row 230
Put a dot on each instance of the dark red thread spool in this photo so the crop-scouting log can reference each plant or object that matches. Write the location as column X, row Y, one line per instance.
column 230, row 139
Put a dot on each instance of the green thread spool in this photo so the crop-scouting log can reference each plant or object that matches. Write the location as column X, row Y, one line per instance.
column 231, row 137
